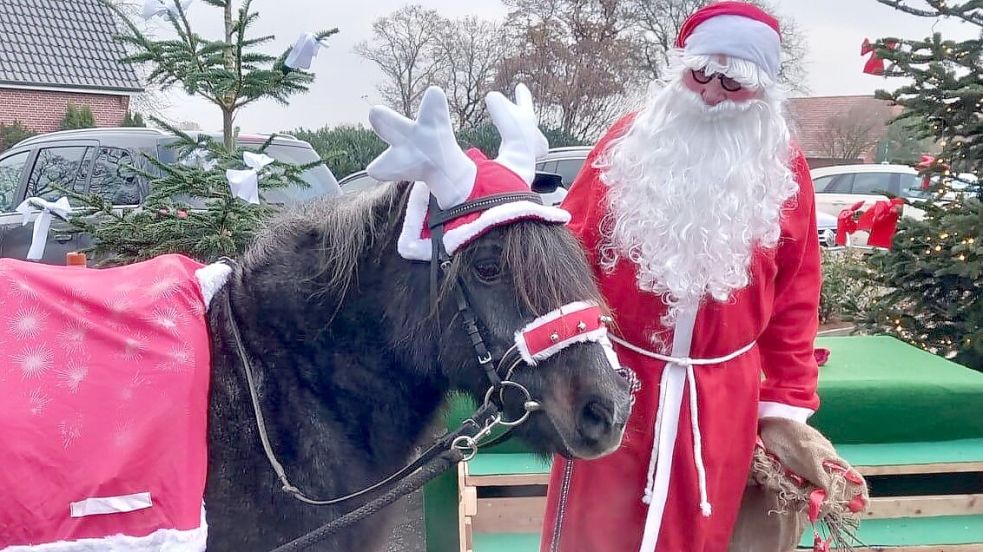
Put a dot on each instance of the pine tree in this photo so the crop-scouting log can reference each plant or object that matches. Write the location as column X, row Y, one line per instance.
column 133, row 120
column 933, row 276
column 13, row 133
column 77, row 117
column 191, row 208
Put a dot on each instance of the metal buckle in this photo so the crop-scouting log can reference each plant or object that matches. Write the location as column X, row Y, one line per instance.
column 485, row 358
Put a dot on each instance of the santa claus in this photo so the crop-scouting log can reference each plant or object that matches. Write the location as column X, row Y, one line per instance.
column 698, row 216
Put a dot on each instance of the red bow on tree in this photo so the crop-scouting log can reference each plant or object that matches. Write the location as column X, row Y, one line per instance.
column 927, row 163
column 881, row 220
column 874, row 65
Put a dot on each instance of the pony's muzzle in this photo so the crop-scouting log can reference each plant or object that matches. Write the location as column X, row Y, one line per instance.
column 598, row 423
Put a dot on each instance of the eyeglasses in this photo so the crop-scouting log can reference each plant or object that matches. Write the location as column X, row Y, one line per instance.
column 728, row 84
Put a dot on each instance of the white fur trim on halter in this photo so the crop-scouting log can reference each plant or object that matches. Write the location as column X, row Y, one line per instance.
column 412, row 246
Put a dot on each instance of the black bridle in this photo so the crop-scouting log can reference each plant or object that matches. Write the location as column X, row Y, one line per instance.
column 453, row 446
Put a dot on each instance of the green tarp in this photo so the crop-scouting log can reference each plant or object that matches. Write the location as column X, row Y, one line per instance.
column 880, row 390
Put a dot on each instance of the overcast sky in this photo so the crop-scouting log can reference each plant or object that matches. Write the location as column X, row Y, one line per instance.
column 346, row 84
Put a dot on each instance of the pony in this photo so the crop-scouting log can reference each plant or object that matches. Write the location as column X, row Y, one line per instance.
column 336, row 337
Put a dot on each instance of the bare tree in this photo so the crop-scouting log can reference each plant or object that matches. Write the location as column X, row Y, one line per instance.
column 153, row 101
column 469, row 52
column 577, row 58
column 658, row 22
column 852, row 134
column 404, row 46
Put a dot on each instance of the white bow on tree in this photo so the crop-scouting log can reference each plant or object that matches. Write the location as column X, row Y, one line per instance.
column 304, row 51
column 200, row 158
column 42, row 223
column 153, row 8
column 245, row 183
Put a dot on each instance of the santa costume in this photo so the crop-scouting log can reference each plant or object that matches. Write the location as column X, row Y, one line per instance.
column 700, row 224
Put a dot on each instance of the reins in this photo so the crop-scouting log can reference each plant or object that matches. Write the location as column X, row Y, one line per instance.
column 452, row 447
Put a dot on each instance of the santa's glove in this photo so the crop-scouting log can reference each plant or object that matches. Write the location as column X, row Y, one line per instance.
column 797, row 462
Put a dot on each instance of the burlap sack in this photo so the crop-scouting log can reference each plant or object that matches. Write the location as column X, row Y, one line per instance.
column 797, row 480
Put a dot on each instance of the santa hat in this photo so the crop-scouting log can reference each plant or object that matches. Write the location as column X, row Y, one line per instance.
column 426, row 152
column 734, row 29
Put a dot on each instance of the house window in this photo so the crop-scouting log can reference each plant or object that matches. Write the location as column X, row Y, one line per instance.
column 11, row 169
column 114, row 179
column 58, row 167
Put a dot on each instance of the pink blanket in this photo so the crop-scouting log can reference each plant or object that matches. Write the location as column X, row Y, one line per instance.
column 103, row 406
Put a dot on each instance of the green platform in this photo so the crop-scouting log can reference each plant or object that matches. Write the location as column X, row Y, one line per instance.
column 883, row 403
column 949, row 530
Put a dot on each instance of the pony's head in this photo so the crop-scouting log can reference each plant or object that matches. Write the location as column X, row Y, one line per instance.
column 511, row 295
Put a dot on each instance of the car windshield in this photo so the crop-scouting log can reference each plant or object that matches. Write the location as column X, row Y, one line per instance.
column 319, row 179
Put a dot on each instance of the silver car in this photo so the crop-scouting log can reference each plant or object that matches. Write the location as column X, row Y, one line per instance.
column 98, row 160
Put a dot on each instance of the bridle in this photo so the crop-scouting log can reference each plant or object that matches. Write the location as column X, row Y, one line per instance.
column 476, row 430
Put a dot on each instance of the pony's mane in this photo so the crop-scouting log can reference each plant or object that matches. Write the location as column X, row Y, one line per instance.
column 347, row 227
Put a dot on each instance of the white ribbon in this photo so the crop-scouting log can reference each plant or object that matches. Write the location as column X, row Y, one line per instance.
column 245, row 183
column 200, row 158
column 302, row 55
column 42, row 223
column 153, row 8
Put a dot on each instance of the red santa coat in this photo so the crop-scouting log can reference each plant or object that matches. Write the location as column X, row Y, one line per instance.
column 769, row 328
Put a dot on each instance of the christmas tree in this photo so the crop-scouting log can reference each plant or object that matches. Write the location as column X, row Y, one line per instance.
column 191, row 208
column 933, row 275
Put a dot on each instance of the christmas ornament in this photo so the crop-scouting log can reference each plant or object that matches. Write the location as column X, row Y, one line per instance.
column 154, row 8
column 304, row 51
column 42, row 222
column 245, row 183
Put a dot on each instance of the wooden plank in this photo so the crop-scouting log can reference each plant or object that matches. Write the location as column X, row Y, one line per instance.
column 510, row 515
column 508, row 480
column 928, row 505
column 914, row 469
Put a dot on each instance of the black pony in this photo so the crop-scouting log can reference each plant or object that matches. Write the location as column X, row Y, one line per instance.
column 352, row 361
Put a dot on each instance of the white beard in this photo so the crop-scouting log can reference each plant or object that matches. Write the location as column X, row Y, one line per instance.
column 693, row 191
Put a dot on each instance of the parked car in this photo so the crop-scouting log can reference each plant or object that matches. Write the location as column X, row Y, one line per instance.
column 840, row 187
column 98, row 160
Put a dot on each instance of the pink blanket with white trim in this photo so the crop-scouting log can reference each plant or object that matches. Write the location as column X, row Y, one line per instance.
column 103, row 406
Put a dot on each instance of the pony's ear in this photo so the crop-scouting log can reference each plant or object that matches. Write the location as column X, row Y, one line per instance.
column 423, row 150
column 522, row 141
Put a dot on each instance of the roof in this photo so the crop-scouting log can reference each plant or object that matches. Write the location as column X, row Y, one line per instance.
column 62, row 44
column 809, row 116
column 866, row 168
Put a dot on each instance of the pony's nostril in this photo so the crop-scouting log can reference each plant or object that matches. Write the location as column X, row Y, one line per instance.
column 596, row 420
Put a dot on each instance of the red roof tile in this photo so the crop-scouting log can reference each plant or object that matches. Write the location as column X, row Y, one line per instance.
column 809, row 117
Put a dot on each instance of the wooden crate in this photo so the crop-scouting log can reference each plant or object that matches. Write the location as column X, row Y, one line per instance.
column 514, row 521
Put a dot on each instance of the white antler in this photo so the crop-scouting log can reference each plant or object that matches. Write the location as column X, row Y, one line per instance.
column 522, row 141
column 423, row 150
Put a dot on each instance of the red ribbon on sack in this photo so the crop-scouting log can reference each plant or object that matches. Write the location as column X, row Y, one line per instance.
column 881, row 220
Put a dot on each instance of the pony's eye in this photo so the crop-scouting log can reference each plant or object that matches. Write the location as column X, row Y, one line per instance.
column 487, row 271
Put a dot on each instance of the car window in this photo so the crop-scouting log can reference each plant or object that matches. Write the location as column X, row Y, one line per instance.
column 11, row 170
column 820, row 184
column 568, row 169
column 841, row 184
column 548, row 166
column 911, row 186
column 114, row 178
column 319, row 179
column 871, row 183
column 359, row 183
column 57, row 167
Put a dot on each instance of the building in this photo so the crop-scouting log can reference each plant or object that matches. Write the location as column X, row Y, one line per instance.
column 56, row 52
column 837, row 130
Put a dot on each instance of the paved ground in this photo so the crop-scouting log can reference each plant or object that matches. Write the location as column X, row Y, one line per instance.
column 408, row 534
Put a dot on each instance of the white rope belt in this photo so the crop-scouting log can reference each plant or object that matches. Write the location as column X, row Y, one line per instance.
column 687, row 362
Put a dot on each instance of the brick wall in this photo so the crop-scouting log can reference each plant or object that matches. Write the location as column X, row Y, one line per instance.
column 43, row 110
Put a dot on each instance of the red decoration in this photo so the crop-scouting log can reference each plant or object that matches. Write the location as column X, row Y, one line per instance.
column 822, row 355
column 875, row 65
column 928, row 162
column 881, row 220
